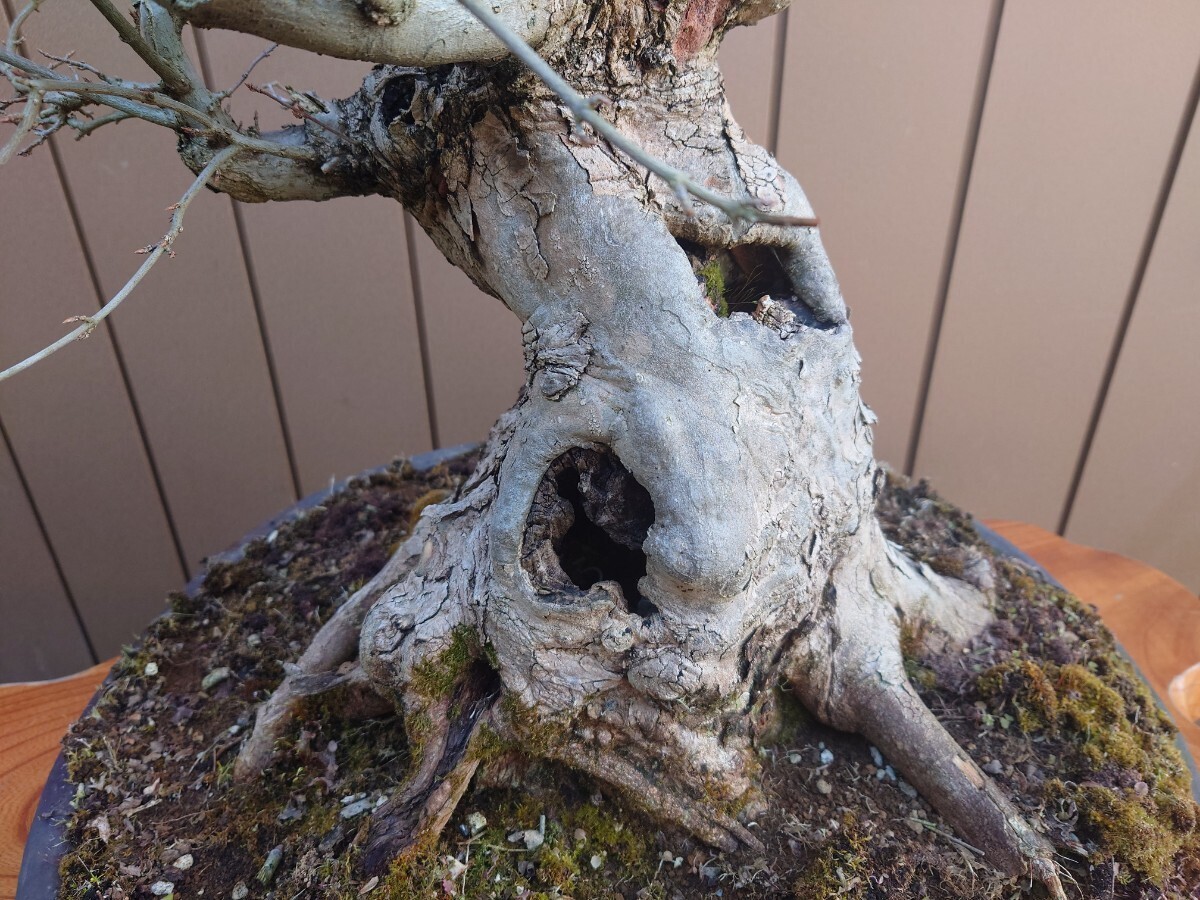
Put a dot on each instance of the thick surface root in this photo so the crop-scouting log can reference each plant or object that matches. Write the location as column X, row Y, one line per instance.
column 850, row 673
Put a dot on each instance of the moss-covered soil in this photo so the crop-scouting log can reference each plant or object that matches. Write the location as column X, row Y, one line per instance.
column 1043, row 701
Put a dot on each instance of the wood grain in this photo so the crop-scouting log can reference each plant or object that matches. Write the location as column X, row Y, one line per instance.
column 1156, row 619
column 35, row 716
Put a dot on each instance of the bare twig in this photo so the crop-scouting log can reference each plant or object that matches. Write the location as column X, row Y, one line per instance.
column 142, row 103
column 14, row 30
column 33, row 109
column 175, row 80
column 66, row 60
column 154, row 253
column 270, row 49
column 582, row 109
column 293, row 105
column 83, row 129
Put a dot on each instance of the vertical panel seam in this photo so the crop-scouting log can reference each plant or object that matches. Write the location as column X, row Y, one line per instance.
column 135, row 407
column 775, row 112
column 268, row 353
column 422, row 334
column 1163, row 197
column 260, row 318
column 54, row 560
column 962, row 189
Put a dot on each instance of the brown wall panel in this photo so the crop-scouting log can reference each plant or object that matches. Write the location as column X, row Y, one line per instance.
column 336, row 294
column 748, row 64
column 72, row 429
column 41, row 637
column 876, row 110
column 1140, row 493
column 476, row 364
column 1085, row 103
column 189, row 335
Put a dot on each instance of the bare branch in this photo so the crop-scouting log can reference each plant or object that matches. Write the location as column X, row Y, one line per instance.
column 583, row 110
column 175, row 78
column 267, row 52
column 14, row 29
column 83, row 129
column 155, row 252
column 33, row 109
column 401, row 32
column 213, row 127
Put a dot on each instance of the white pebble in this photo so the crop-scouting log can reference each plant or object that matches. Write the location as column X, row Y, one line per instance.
column 150, row 671
column 240, row 891
column 162, row 888
column 826, row 757
column 184, row 862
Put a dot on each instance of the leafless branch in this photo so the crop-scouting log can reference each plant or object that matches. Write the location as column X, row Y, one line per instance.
column 175, row 80
column 267, row 52
column 583, row 110
column 33, row 110
column 295, row 103
column 83, row 129
column 154, row 253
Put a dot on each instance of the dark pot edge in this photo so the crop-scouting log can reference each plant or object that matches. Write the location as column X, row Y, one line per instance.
column 46, row 844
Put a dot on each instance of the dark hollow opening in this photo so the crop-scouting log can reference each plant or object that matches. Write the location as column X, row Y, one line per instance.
column 588, row 554
column 735, row 280
column 588, row 523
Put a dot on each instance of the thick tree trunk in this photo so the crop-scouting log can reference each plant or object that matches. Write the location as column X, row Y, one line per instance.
column 677, row 515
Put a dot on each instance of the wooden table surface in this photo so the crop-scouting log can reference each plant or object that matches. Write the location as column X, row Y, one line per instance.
column 1155, row 617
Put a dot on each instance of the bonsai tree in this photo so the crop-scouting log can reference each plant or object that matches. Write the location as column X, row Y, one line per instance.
column 678, row 512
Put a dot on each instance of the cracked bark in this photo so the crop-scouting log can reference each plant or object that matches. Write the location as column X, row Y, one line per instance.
column 722, row 465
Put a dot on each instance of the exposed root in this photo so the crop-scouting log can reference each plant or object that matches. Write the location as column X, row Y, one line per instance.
column 314, row 672
column 439, row 738
column 850, row 672
column 707, row 823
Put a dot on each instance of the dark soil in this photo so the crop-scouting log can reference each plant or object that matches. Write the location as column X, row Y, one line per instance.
column 1043, row 701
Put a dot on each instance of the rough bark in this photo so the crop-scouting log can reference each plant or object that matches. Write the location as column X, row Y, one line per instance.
column 677, row 514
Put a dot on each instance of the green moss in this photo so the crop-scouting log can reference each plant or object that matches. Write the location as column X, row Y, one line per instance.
column 1027, row 688
column 837, row 869
column 912, row 640
column 1103, row 729
column 714, row 287
column 1129, row 828
column 435, row 677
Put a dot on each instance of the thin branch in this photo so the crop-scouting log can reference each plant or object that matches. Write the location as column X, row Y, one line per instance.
column 74, row 64
column 14, row 30
column 146, row 103
column 295, row 107
column 83, row 129
column 33, row 109
column 155, row 252
column 174, row 79
column 582, row 109
column 162, row 101
column 270, row 49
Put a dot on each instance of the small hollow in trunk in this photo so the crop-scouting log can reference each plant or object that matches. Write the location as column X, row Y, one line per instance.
column 588, row 522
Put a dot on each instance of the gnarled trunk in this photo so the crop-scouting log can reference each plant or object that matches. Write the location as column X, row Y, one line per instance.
column 677, row 514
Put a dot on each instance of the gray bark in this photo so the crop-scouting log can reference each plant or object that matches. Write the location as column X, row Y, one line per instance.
column 678, row 511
